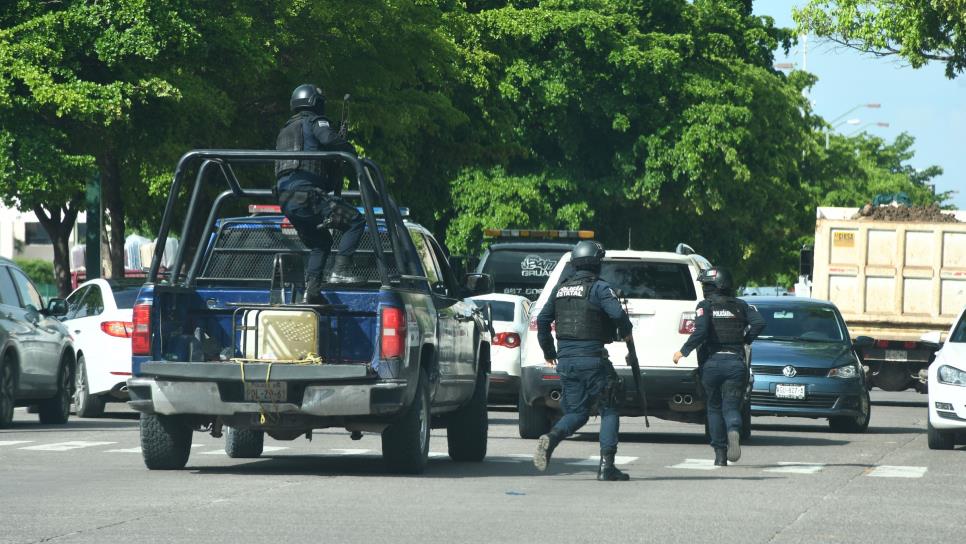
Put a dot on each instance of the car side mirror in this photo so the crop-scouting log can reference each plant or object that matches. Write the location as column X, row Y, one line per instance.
column 863, row 342
column 56, row 307
column 478, row 284
column 931, row 337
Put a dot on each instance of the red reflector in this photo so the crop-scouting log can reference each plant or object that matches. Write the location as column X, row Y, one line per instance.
column 550, row 377
column 264, row 208
column 882, row 344
column 118, row 329
column 910, row 345
column 120, row 373
column 507, row 339
column 393, row 332
column 141, row 333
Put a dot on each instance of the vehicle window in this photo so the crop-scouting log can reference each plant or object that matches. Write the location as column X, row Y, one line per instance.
column 521, row 272
column 502, row 310
column 73, row 302
column 425, row 257
column 650, row 280
column 446, row 273
column 801, row 322
column 93, row 303
column 28, row 293
column 8, row 291
column 959, row 333
column 125, row 298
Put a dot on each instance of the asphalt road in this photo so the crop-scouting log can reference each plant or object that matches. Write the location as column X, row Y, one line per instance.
column 796, row 482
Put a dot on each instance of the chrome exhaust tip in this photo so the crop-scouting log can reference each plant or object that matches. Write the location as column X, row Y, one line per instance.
column 555, row 395
column 677, row 399
column 688, row 399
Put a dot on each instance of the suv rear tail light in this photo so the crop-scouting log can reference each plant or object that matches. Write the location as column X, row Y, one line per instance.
column 118, row 329
column 393, row 332
column 507, row 339
column 141, row 333
column 687, row 323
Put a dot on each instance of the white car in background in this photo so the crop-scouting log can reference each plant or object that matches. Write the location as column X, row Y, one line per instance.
column 511, row 313
column 947, row 389
column 99, row 320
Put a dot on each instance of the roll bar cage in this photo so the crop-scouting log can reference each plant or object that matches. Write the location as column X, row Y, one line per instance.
column 368, row 178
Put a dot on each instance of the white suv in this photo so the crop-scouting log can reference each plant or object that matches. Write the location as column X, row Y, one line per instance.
column 946, row 424
column 662, row 292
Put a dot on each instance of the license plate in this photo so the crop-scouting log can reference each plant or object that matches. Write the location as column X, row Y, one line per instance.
column 897, row 355
column 265, row 391
column 784, row 391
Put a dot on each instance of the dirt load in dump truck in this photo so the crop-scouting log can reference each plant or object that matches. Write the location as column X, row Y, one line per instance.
column 898, row 275
column 220, row 346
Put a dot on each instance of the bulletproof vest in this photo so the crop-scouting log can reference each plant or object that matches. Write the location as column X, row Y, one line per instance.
column 728, row 324
column 576, row 317
column 297, row 135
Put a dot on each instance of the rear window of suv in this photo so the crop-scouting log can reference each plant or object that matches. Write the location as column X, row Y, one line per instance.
column 647, row 279
column 521, row 272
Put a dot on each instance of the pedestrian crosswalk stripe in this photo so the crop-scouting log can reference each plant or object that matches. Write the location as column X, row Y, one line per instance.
column 65, row 446
column 511, row 458
column 796, row 468
column 125, row 450
column 265, row 449
column 437, row 455
column 892, row 471
column 595, row 460
column 350, row 451
column 696, row 464
column 14, row 442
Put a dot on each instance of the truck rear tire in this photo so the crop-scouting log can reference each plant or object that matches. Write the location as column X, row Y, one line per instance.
column 534, row 421
column 165, row 441
column 467, row 428
column 244, row 443
column 939, row 440
column 405, row 443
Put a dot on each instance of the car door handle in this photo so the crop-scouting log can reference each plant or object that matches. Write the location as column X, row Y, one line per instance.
column 77, row 331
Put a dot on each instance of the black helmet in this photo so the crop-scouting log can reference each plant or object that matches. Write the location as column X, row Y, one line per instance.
column 718, row 278
column 587, row 255
column 308, row 97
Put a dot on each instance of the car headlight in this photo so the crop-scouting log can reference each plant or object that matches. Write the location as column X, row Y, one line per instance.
column 847, row 371
column 951, row 376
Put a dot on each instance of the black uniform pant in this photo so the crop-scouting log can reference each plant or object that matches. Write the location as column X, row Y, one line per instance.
column 307, row 210
column 723, row 378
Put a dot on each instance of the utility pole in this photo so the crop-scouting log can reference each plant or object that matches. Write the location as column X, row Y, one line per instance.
column 92, row 253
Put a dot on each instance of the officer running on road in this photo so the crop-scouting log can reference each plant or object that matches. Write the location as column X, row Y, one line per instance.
column 309, row 191
column 723, row 325
column 586, row 310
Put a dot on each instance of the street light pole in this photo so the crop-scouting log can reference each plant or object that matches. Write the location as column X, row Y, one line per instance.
column 876, row 123
column 855, row 121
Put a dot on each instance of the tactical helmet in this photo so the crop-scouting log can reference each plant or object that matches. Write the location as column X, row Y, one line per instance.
column 718, row 278
column 587, row 255
column 308, row 97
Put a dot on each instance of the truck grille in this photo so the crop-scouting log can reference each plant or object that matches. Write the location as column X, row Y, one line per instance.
column 812, row 401
column 770, row 370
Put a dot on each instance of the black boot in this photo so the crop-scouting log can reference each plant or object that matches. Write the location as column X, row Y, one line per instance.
column 313, row 292
column 607, row 472
column 720, row 457
column 545, row 446
column 342, row 271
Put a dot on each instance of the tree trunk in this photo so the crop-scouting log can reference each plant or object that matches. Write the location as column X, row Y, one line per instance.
column 59, row 223
column 114, row 205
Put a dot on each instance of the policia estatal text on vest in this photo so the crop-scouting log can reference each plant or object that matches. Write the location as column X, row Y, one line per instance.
column 723, row 326
column 587, row 312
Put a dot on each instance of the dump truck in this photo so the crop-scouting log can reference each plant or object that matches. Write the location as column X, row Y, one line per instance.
column 899, row 278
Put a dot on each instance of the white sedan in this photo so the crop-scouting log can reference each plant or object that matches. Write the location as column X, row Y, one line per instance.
column 947, row 390
column 99, row 320
column 511, row 317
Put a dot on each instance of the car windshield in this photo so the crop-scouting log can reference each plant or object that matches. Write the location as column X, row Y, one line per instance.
column 125, row 298
column 800, row 322
column 959, row 333
column 646, row 279
column 521, row 272
column 502, row 310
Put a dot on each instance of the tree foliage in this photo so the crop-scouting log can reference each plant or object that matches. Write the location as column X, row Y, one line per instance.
column 919, row 31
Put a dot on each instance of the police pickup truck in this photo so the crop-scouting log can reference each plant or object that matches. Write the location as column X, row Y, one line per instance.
column 220, row 346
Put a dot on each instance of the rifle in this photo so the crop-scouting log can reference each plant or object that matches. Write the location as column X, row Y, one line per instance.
column 635, row 365
column 344, row 125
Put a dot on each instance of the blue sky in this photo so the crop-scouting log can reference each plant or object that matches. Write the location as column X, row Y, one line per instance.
column 921, row 102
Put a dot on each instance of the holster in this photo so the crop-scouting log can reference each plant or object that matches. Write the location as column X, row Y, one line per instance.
column 338, row 215
column 613, row 392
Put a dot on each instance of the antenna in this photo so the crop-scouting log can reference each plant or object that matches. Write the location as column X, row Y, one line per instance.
column 629, row 238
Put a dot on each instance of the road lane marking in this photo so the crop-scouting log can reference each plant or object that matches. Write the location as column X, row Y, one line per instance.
column 138, row 449
column 437, row 455
column 797, row 468
column 696, row 464
column 265, row 449
column 893, row 471
column 350, row 451
column 511, row 458
column 65, row 446
column 595, row 460
column 14, row 442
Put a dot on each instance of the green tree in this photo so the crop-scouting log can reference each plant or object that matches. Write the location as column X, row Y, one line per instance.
column 917, row 30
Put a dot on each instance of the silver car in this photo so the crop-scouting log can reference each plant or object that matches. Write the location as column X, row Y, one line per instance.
column 36, row 354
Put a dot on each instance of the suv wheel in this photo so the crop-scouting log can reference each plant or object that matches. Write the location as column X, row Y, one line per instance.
column 857, row 424
column 467, row 429
column 85, row 404
column 405, row 443
column 939, row 440
column 244, row 443
column 56, row 410
column 8, row 389
column 534, row 421
column 165, row 441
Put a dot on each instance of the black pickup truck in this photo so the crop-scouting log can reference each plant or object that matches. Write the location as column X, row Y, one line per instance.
column 219, row 343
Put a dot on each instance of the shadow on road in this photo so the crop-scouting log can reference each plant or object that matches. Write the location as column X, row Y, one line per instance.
column 902, row 403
